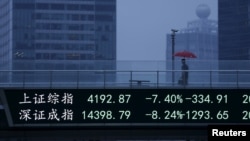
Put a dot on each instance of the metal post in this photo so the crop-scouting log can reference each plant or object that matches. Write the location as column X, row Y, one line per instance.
column 51, row 79
column 104, row 79
column 131, row 78
column 23, row 79
column 77, row 79
column 237, row 77
column 157, row 79
column 173, row 50
column 210, row 78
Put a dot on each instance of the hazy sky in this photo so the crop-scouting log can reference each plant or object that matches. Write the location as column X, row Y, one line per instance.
column 142, row 25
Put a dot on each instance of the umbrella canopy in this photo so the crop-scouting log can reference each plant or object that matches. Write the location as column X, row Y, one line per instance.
column 185, row 54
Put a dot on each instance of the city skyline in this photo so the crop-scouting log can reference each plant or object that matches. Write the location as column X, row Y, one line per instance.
column 143, row 29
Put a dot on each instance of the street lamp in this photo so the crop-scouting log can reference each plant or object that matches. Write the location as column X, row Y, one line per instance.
column 173, row 44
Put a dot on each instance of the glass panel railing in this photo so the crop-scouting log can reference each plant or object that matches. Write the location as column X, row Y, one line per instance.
column 124, row 79
column 143, row 79
column 91, row 79
column 64, row 79
column 38, row 79
column 228, row 79
column 243, row 78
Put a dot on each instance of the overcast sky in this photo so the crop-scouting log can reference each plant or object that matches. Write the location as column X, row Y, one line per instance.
column 142, row 25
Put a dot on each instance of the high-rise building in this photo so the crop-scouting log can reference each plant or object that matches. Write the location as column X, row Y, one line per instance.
column 234, row 29
column 201, row 38
column 57, row 34
column 234, row 39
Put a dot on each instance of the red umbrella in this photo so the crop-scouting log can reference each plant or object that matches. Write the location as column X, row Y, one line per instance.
column 185, row 54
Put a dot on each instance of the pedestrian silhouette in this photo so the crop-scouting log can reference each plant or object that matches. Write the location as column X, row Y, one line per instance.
column 184, row 74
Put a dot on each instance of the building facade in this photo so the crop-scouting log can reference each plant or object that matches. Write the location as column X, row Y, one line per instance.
column 234, row 42
column 234, row 29
column 200, row 38
column 57, row 34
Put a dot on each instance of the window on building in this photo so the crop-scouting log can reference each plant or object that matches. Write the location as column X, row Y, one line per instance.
column 57, row 46
column 57, row 6
column 72, row 56
column 107, row 28
column 83, row 56
column 89, row 37
column 73, row 37
column 105, row 7
column 72, row 47
column 23, row 55
column 73, row 27
column 56, row 26
column 75, row 17
column 86, row 7
column 38, row 56
column 42, row 36
column 91, row 17
column 58, row 66
column 57, row 56
column 45, row 56
column 44, row 6
column 87, row 27
column 73, row 7
column 89, row 56
column 56, row 36
column 104, row 38
column 22, row 45
column 25, row 6
column 71, row 67
column 86, row 56
column 57, row 16
column 83, row 17
column 99, row 28
column 42, row 16
column 45, row 46
column 104, row 18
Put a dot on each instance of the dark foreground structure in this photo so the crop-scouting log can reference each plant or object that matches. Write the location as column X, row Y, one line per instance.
column 119, row 114
column 98, row 133
column 77, row 132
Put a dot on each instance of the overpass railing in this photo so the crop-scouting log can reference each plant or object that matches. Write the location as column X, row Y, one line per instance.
column 122, row 79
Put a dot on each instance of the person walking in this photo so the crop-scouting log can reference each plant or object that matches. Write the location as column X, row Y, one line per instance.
column 184, row 74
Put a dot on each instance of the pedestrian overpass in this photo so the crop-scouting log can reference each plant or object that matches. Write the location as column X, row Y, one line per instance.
column 111, row 79
column 99, row 79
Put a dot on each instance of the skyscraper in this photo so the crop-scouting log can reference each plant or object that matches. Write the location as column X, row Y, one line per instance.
column 57, row 34
column 234, row 39
column 234, row 29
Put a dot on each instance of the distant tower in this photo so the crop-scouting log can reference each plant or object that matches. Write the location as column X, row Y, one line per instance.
column 203, row 11
column 200, row 37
